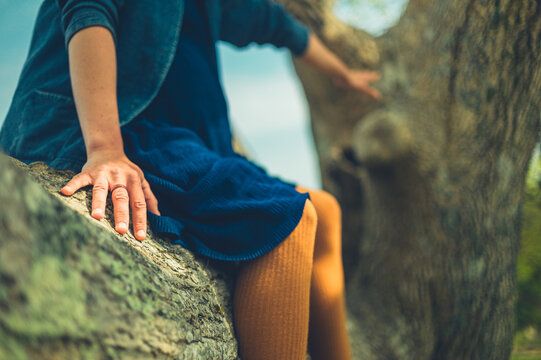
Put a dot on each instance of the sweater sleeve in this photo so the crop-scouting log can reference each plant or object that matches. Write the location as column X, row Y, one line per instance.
column 262, row 22
column 79, row 14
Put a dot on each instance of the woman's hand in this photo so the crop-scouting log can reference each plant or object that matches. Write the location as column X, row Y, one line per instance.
column 129, row 189
column 360, row 80
column 321, row 58
column 92, row 59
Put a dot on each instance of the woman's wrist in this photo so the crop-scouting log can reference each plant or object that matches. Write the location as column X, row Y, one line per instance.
column 342, row 76
column 321, row 58
column 106, row 140
column 109, row 150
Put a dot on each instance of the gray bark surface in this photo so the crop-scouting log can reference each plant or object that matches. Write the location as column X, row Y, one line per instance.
column 72, row 288
column 431, row 180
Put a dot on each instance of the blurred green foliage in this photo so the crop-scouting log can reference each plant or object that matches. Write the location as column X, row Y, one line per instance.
column 529, row 260
column 526, row 345
column 527, row 342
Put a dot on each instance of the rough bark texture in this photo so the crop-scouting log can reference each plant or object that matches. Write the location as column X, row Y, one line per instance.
column 71, row 288
column 431, row 180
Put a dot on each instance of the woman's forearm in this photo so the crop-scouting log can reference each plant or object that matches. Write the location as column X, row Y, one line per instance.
column 320, row 57
column 92, row 60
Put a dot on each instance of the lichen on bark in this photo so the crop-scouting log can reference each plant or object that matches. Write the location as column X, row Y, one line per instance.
column 70, row 287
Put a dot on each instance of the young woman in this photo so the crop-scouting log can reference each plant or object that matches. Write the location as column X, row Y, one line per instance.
column 127, row 94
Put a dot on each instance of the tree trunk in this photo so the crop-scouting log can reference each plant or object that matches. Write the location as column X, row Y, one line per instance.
column 431, row 180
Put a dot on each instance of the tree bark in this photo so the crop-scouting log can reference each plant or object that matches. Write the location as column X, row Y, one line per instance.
column 72, row 288
column 431, row 180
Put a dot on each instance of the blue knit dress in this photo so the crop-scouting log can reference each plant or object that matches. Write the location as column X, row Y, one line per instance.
column 213, row 201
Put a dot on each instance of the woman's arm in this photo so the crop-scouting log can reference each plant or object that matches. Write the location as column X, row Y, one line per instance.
column 264, row 21
column 92, row 60
column 321, row 58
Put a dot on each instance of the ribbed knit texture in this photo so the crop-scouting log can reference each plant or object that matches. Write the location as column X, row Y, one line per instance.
column 328, row 338
column 272, row 296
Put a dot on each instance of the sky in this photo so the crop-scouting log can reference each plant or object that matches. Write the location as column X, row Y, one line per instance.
column 268, row 110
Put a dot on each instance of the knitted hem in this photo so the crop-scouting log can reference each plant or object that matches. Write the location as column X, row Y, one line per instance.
column 162, row 225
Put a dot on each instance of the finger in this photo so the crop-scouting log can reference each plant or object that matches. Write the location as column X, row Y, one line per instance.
column 152, row 202
column 99, row 197
column 375, row 94
column 138, row 208
column 373, row 76
column 78, row 181
column 121, row 208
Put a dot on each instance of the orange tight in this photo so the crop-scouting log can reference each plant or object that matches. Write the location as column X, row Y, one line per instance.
column 294, row 295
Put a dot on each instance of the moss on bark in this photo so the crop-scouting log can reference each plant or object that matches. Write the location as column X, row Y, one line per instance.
column 70, row 287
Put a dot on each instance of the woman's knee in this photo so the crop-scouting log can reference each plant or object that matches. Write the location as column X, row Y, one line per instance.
column 305, row 240
column 309, row 214
column 327, row 207
column 329, row 231
column 323, row 201
column 299, row 244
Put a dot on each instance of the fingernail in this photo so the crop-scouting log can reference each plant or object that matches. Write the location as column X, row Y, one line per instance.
column 141, row 234
column 97, row 212
column 122, row 226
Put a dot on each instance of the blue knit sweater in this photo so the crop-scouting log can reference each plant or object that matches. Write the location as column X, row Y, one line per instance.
column 212, row 200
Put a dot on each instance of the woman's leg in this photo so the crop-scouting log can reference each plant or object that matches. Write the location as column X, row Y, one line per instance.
column 272, row 297
column 328, row 337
